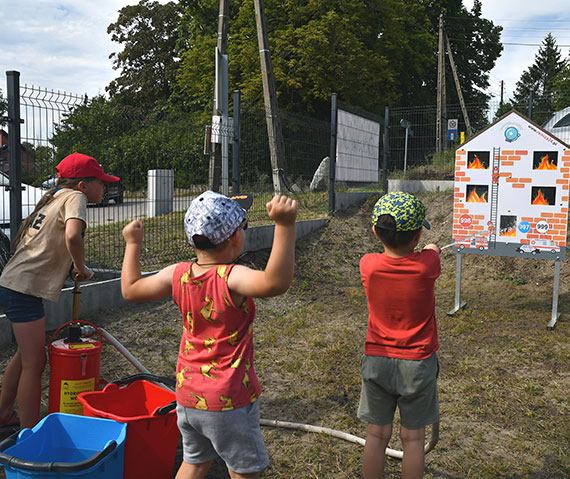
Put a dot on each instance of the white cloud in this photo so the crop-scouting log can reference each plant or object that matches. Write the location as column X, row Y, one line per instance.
column 60, row 44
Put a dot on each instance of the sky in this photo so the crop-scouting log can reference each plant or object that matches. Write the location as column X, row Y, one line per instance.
column 525, row 24
column 63, row 45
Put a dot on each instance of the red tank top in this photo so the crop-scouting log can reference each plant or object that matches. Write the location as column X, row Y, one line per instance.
column 215, row 361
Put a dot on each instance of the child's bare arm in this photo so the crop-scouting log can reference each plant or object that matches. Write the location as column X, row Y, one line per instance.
column 133, row 286
column 433, row 247
column 278, row 273
column 75, row 246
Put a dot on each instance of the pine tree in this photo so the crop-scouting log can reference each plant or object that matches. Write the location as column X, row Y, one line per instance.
column 540, row 78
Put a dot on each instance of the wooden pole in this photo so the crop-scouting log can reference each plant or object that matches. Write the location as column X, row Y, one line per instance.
column 438, row 128
column 276, row 145
column 458, row 87
column 216, row 150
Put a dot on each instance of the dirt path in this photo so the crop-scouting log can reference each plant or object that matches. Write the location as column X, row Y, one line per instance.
column 504, row 378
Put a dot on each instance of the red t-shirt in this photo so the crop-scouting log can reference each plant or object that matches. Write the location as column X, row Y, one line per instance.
column 401, row 304
column 215, row 361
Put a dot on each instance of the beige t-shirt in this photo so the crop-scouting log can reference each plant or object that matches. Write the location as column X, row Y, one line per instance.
column 41, row 261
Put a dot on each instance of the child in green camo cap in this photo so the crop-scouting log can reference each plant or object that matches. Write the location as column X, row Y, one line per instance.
column 400, row 365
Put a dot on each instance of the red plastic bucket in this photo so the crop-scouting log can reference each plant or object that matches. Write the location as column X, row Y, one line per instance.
column 152, row 437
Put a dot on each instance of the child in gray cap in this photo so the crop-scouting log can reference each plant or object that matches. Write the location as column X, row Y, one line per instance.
column 216, row 387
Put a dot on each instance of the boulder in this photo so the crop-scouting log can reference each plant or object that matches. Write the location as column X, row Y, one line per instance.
column 320, row 181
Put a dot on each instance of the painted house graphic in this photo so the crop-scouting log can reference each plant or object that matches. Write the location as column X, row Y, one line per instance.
column 511, row 191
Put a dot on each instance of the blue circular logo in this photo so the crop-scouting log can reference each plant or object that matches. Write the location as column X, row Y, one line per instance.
column 511, row 134
column 524, row 226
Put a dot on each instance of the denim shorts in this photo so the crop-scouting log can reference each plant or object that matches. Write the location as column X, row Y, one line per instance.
column 409, row 384
column 233, row 435
column 20, row 307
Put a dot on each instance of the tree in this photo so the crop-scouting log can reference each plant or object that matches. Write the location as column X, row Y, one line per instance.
column 149, row 59
column 475, row 44
column 3, row 108
column 561, row 96
column 371, row 52
column 540, row 78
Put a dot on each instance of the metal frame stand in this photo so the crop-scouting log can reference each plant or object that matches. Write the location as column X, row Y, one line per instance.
column 555, row 314
column 458, row 304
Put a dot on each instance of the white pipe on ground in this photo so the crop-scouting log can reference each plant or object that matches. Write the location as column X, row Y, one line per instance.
column 289, row 425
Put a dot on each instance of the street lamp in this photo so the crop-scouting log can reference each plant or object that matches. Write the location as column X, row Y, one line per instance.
column 407, row 125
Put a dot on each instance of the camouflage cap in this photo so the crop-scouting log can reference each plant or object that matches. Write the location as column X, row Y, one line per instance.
column 408, row 212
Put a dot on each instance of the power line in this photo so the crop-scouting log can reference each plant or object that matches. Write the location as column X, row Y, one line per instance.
column 511, row 43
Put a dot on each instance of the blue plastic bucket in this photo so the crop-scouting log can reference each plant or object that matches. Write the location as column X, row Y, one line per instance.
column 64, row 445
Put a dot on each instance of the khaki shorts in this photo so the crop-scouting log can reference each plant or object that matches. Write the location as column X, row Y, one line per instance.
column 409, row 384
column 233, row 435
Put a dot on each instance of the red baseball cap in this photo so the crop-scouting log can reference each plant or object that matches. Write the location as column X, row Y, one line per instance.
column 78, row 165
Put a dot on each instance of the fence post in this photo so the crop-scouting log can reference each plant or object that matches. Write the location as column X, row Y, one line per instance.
column 235, row 144
column 14, row 151
column 385, row 150
column 160, row 192
column 332, row 154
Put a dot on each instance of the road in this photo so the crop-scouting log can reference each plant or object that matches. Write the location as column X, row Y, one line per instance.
column 128, row 210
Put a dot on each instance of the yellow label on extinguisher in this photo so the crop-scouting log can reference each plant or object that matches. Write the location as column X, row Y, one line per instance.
column 69, row 391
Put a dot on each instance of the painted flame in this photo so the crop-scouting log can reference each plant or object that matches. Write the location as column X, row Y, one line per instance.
column 475, row 198
column 476, row 164
column 540, row 199
column 545, row 164
column 512, row 231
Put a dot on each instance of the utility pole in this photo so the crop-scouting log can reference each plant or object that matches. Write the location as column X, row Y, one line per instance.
column 458, row 87
column 276, row 145
column 501, row 101
column 440, row 87
column 217, row 111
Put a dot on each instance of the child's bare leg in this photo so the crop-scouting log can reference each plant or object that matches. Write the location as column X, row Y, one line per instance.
column 193, row 471
column 10, row 386
column 413, row 445
column 31, row 344
column 251, row 475
column 374, row 456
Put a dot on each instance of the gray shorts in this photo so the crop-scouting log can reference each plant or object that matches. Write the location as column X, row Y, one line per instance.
column 409, row 384
column 233, row 435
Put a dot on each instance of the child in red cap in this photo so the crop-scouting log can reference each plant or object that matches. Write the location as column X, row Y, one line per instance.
column 48, row 242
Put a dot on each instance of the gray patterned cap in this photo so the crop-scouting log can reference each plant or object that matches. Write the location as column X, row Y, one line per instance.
column 215, row 216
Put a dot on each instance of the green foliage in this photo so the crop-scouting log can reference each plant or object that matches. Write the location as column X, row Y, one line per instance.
column 541, row 78
column 561, row 88
column 3, row 108
column 147, row 63
column 371, row 53
column 128, row 141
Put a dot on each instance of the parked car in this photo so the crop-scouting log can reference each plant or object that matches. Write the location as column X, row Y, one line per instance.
column 30, row 196
column 559, row 125
column 113, row 191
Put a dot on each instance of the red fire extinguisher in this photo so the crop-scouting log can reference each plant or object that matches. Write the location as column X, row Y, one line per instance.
column 74, row 364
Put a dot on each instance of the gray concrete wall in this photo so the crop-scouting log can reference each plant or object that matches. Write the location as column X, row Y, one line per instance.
column 345, row 200
column 419, row 186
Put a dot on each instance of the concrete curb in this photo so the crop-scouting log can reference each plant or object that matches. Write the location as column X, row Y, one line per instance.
column 418, row 186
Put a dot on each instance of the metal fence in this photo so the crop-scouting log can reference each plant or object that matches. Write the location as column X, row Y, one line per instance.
column 138, row 146
column 420, row 158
